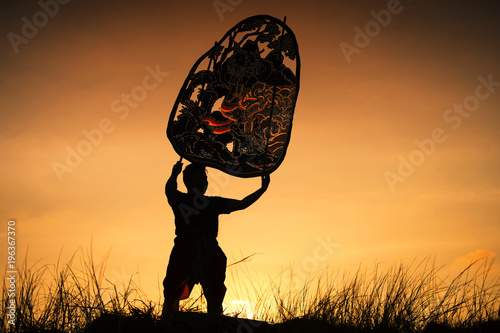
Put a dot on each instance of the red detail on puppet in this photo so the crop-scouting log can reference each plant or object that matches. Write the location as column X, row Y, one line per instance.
column 220, row 131
column 218, row 125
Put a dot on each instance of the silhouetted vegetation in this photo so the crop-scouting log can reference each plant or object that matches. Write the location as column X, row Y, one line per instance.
column 405, row 298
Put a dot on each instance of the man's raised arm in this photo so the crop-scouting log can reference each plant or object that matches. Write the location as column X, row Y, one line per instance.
column 235, row 205
column 171, row 185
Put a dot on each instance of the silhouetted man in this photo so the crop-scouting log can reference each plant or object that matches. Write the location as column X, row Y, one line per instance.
column 196, row 256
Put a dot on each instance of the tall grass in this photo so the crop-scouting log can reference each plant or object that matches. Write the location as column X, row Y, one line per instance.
column 66, row 298
column 402, row 298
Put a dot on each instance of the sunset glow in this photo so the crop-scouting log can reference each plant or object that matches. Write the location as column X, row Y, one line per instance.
column 394, row 152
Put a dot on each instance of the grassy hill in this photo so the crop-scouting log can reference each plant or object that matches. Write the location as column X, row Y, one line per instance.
column 405, row 298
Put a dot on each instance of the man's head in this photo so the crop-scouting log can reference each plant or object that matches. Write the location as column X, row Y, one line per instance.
column 195, row 177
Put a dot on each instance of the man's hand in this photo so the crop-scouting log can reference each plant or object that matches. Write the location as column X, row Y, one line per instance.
column 176, row 170
column 265, row 182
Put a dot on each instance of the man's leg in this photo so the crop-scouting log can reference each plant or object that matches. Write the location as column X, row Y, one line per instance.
column 213, row 284
column 171, row 294
column 176, row 279
column 214, row 296
column 170, row 306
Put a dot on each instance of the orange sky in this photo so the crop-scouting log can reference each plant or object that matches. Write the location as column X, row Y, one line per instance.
column 356, row 118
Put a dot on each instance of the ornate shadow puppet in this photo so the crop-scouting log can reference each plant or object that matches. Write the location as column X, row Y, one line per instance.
column 235, row 109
